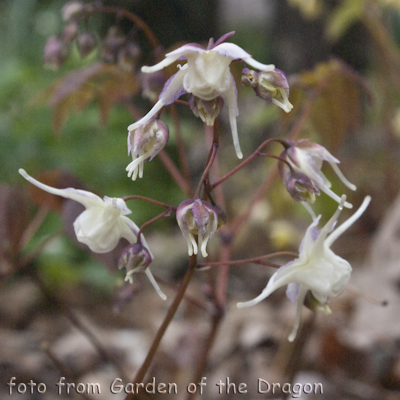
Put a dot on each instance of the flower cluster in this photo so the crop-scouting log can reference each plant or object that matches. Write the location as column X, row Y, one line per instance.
column 207, row 77
column 318, row 273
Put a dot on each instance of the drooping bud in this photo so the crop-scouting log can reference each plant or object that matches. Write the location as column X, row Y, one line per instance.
column 207, row 110
column 137, row 258
column 269, row 85
column 71, row 10
column 299, row 186
column 197, row 217
column 70, row 32
column 128, row 56
column 144, row 143
column 55, row 53
column 112, row 43
column 86, row 42
column 306, row 157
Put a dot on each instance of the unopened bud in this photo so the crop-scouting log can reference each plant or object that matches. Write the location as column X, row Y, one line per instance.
column 55, row 52
column 135, row 258
column 86, row 42
column 128, row 56
column 112, row 43
column 70, row 32
column 269, row 85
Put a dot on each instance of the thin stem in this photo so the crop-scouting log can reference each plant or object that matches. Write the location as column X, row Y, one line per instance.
column 254, row 260
column 183, row 157
column 243, row 163
column 53, row 299
column 211, row 158
column 174, row 172
column 131, row 16
column 166, row 213
column 33, row 226
column 150, row 200
column 168, row 318
column 28, row 258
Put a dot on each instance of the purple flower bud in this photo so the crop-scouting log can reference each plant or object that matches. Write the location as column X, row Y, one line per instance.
column 55, row 52
column 144, row 143
column 112, row 43
column 70, row 32
column 299, row 186
column 207, row 110
column 269, row 85
column 306, row 158
column 128, row 56
column 86, row 42
column 135, row 258
column 197, row 217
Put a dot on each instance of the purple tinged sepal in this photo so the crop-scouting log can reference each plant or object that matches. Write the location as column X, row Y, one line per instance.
column 271, row 86
column 144, row 143
column 197, row 217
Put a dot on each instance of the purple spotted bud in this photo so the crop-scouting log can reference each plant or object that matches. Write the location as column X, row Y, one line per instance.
column 55, row 53
column 269, row 85
column 207, row 110
column 86, row 42
column 144, row 143
column 197, row 217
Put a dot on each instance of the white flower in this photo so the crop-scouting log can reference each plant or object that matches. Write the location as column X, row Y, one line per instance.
column 102, row 224
column 206, row 75
column 318, row 269
column 306, row 157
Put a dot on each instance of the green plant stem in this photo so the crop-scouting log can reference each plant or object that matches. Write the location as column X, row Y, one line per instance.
column 140, row 375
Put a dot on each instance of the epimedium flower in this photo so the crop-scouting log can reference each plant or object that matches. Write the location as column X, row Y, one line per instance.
column 269, row 85
column 317, row 269
column 197, row 217
column 103, row 224
column 144, row 143
column 306, row 157
column 206, row 75
column 137, row 258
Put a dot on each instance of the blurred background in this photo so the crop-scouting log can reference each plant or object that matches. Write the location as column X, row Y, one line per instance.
column 63, row 118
